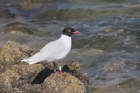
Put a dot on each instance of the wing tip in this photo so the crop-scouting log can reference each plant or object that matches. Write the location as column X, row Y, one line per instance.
column 24, row 60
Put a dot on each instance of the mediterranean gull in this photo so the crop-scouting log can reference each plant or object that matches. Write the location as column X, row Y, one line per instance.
column 54, row 50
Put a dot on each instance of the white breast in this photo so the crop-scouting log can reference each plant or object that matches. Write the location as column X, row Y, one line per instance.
column 67, row 42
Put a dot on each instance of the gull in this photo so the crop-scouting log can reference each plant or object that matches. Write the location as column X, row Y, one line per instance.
column 54, row 50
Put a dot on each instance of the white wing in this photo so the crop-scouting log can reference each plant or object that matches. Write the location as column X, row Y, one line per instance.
column 52, row 51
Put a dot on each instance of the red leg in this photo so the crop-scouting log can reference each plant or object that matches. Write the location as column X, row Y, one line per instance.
column 60, row 69
column 55, row 67
column 63, row 73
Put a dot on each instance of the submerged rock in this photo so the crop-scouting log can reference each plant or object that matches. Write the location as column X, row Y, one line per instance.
column 106, row 30
column 131, row 85
column 104, row 43
column 114, row 65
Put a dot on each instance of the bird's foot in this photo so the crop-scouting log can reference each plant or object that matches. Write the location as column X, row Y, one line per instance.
column 63, row 73
column 60, row 69
column 60, row 72
column 56, row 72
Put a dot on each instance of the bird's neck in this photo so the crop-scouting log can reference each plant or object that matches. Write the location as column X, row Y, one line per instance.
column 66, row 39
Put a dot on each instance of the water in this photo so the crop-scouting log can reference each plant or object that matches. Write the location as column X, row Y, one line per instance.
column 108, row 58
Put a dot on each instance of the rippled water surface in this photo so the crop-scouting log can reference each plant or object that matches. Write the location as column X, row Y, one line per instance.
column 108, row 48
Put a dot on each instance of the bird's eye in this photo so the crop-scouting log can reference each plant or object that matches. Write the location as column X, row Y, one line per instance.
column 69, row 30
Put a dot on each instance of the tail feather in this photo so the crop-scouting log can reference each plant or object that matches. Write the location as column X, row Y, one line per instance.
column 25, row 60
column 28, row 61
column 34, row 59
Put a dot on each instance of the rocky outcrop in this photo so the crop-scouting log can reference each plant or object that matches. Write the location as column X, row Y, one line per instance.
column 27, row 72
column 20, row 77
column 58, row 83
column 12, row 52
column 74, row 69
column 9, row 80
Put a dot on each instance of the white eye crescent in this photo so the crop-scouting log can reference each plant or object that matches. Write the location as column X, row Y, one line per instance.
column 69, row 30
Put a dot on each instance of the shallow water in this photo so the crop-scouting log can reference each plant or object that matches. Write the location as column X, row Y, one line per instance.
column 108, row 57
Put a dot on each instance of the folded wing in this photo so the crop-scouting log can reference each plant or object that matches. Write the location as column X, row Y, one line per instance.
column 52, row 51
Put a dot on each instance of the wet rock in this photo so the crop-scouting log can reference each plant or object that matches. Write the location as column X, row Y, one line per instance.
column 107, row 30
column 131, row 85
column 12, row 52
column 58, row 83
column 9, row 80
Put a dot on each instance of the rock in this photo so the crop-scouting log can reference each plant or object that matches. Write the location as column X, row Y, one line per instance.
column 12, row 52
column 28, row 72
column 9, row 80
column 20, row 77
column 74, row 67
column 57, row 83
column 28, row 88
column 42, row 75
column 107, row 30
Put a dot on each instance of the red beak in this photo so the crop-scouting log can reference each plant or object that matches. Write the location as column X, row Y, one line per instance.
column 76, row 32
